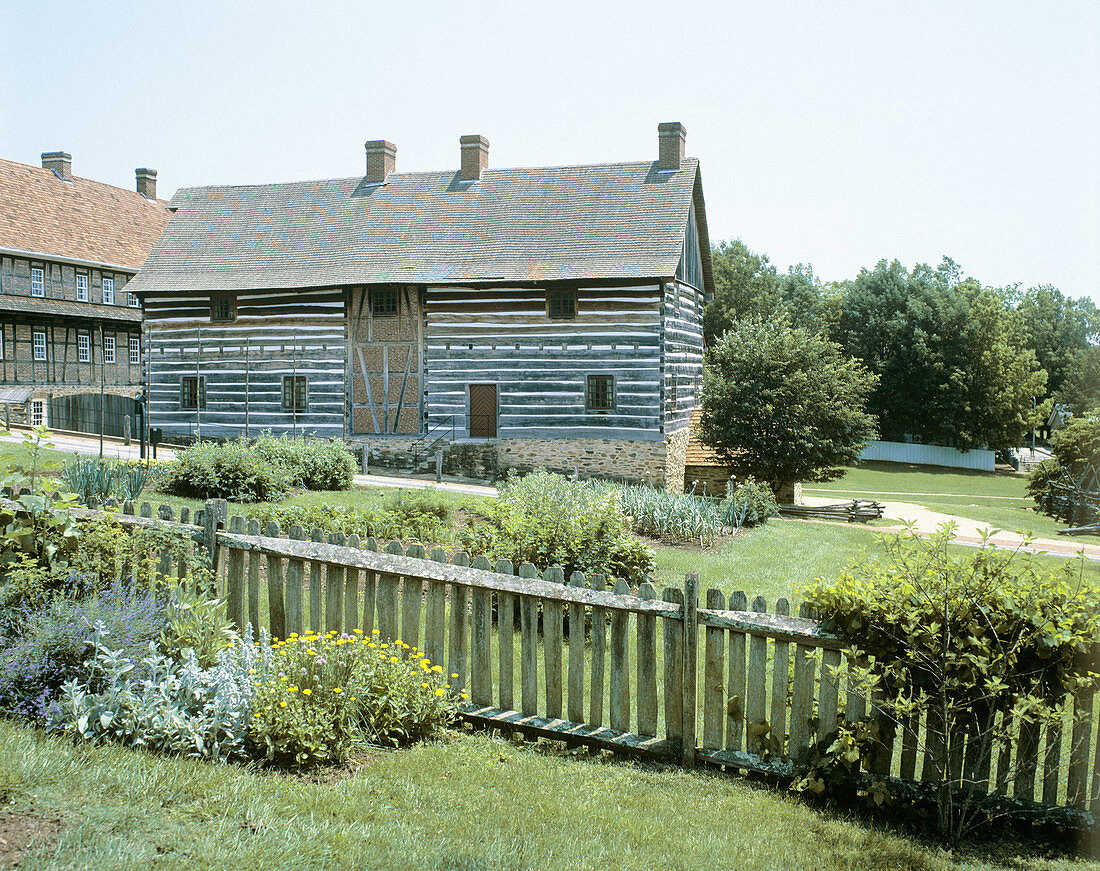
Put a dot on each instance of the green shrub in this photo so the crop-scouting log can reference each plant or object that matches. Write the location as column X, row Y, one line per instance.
column 315, row 464
column 226, row 470
column 1077, row 444
column 752, row 502
column 196, row 625
column 1040, row 478
column 374, row 521
column 972, row 640
column 323, row 695
column 547, row 520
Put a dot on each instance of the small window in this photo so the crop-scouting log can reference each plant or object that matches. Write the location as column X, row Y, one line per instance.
column 83, row 348
column 108, row 291
column 294, row 393
column 38, row 281
column 223, row 307
column 108, row 349
column 38, row 412
column 600, row 395
column 561, row 303
column 1, row 343
column 135, row 349
column 39, row 342
column 81, row 287
column 192, row 392
column 132, row 300
column 383, row 302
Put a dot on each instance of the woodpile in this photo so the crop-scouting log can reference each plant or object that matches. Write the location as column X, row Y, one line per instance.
column 856, row 511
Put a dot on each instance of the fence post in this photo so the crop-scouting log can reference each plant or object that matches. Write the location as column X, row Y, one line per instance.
column 214, row 516
column 691, row 659
column 126, row 430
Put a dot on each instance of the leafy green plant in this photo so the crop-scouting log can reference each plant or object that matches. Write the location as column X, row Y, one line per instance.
column 227, row 470
column 325, row 694
column 836, row 765
column 547, row 520
column 196, row 625
column 976, row 641
column 91, row 478
column 405, row 524
column 316, row 464
column 166, row 705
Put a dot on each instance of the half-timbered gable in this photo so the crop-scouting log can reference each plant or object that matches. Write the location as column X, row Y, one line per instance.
column 554, row 313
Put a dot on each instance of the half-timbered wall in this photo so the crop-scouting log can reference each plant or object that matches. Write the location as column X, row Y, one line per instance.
column 384, row 354
column 62, row 367
column 60, row 280
column 274, row 334
column 540, row 364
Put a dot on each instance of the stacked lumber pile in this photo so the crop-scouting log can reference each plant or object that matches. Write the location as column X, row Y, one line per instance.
column 856, row 511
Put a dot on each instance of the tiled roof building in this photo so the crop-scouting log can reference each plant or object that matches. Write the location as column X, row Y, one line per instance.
column 70, row 330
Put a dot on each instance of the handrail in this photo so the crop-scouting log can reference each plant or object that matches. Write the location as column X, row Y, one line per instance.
column 449, row 420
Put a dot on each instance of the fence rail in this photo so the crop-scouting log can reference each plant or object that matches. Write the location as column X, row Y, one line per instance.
column 642, row 672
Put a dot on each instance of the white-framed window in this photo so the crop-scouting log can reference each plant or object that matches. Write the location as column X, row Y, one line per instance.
column 81, row 287
column 83, row 348
column 38, row 412
column 132, row 300
column 38, row 281
column 135, row 349
column 108, row 349
column 108, row 291
column 38, row 340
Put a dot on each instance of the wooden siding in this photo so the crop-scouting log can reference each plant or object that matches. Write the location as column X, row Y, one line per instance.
column 540, row 365
column 276, row 333
column 682, row 353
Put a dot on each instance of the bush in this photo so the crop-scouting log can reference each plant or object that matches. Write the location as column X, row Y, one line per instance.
column 315, row 464
column 1077, row 444
column 47, row 645
column 324, row 695
column 972, row 639
column 547, row 520
column 168, row 706
column 752, row 502
column 1040, row 478
column 226, row 470
column 403, row 521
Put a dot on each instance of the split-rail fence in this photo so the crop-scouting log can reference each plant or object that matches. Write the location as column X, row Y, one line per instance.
column 722, row 681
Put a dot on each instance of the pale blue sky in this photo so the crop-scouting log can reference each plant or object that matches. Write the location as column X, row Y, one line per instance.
column 830, row 133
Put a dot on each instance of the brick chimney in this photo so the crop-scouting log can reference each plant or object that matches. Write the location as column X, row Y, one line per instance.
column 381, row 159
column 60, row 163
column 475, row 156
column 671, row 139
column 146, row 182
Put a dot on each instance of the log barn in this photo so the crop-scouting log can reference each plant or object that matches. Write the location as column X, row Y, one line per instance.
column 515, row 318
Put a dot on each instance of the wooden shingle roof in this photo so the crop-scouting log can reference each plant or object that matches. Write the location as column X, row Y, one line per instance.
column 79, row 219
column 608, row 221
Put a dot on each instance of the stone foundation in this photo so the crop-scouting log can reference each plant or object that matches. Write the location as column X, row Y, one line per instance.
column 660, row 463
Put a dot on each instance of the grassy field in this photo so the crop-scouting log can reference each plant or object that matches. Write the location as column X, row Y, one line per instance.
column 471, row 803
column 997, row 498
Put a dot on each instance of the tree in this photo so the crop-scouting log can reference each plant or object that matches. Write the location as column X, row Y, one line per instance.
column 950, row 354
column 1057, row 328
column 746, row 284
column 783, row 404
column 1081, row 388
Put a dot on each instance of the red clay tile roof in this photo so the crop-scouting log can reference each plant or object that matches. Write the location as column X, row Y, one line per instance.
column 82, row 219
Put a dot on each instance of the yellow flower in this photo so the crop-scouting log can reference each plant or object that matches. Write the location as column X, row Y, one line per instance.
column 337, row 690
column 438, row 669
column 463, row 696
column 393, row 659
column 252, row 671
column 292, row 689
column 453, row 674
column 352, row 698
column 282, row 704
column 372, row 644
column 374, row 632
column 306, row 691
column 383, row 646
column 441, row 692
column 424, row 685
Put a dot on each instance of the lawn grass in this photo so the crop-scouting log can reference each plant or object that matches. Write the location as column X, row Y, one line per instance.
column 470, row 802
column 997, row 498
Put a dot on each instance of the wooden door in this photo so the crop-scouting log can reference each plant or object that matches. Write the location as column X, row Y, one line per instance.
column 483, row 411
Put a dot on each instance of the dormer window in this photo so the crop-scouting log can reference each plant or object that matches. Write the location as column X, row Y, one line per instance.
column 223, row 307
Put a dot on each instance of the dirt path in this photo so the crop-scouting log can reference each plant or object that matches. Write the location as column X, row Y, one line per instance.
column 968, row 531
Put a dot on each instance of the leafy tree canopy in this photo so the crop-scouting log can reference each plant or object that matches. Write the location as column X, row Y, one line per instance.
column 1081, row 388
column 783, row 404
column 1057, row 328
column 951, row 355
column 748, row 285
